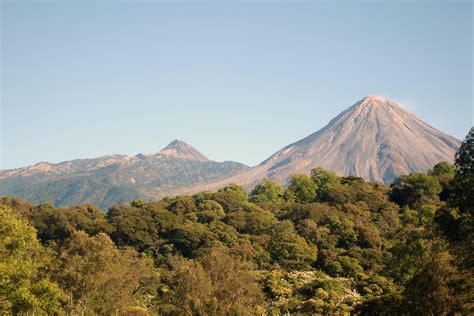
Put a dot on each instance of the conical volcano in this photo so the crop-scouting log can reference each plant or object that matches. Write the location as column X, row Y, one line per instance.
column 374, row 138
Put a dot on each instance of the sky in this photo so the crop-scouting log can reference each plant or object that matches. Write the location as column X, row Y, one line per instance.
column 238, row 80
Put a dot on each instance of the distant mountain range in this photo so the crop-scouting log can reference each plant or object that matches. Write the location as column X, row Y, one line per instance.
column 375, row 139
column 116, row 178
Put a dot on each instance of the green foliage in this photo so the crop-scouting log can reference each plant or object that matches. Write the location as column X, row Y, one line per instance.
column 210, row 205
column 309, row 292
column 289, row 249
column 324, row 180
column 326, row 245
column 49, row 296
column 202, row 196
column 433, row 281
column 465, row 155
column 98, row 277
column 460, row 193
column 444, row 172
column 182, row 205
column 268, row 191
column 302, row 189
column 443, row 169
column 230, row 202
column 368, row 236
column 254, row 221
column 415, row 190
column 137, row 203
column 409, row 254
column 389, row 304
column 190, row 237
column 21, row 287
column 217, row 284
column 208, row 216
column 141, row 228
column 57, row 224
column 235, row 190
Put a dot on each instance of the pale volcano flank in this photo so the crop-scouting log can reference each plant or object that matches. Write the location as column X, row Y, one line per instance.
column 375, row 139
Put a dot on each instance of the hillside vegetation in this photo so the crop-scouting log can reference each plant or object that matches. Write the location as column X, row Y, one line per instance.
column 323, row 245
column 114, row 179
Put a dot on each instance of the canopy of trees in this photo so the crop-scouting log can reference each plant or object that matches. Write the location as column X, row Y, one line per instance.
column 323, row 245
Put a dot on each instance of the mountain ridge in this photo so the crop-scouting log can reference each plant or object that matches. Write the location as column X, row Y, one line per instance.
column 114, row 179
column 177, row 149
column 368, row 139
column 374, row 138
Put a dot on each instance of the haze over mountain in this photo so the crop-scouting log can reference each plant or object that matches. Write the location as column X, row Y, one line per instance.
column 114, row 179
column 375, row 139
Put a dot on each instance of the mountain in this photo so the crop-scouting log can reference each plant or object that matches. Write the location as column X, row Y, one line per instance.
column 374, row 138
column 115, row 179
column 179, row 149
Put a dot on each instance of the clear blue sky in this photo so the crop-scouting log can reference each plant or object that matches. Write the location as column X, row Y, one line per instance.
column 237, row 80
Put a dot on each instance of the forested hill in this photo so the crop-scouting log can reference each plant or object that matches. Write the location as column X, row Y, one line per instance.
column 324, row 245
column 114, row 179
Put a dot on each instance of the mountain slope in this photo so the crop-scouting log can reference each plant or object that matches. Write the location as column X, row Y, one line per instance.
column 375, row 139
column 116, row 178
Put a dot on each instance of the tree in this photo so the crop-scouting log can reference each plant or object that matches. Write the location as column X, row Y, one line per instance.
column 137, row 203
column 355, row 190
column 233, row 283
column 268, row 191
column 429, row 292
column 343, row 228
column 254, row 222
column 289, row 249
column 230, row 201
column 457, row 222
column 186, row 288
column 415, row 190
column 341, row 243
column 98, row 277
column 236, row 190
column 21, row 254
column 410, row 254
column 460, row 193
column 190, row 237
column 210, row 205
column 141, row 228
column 303, row 188
column 209, row 211
column 368, row 236
column 324, row 180
column 389, row 304
column 465, row 155
column 443, row 169
column 58, row 223
column 182, row 205
column 202, row 196
column 216, row 284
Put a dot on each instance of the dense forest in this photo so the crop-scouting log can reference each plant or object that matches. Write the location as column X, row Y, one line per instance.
column 323, row 245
